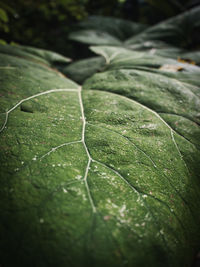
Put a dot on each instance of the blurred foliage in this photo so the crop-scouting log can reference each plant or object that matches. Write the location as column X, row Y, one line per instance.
column 46, row 24
column 41, row 23
column 103, row 7
column 153, row 11
column 4, row 19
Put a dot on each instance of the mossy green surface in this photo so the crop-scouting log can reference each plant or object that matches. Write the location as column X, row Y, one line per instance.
column 172, row 94
column 92, row 177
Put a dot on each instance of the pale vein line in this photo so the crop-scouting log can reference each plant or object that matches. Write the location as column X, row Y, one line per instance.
column 87, row 152
column 129, row 58
column 31, row 97
column 102, row 54
column 80, row 141
column 149, row 158
column 181, row 156
column 5, row 122
column 171, row 131
column 114, row 55
column 105, row 55
column 139, row 195
column 138, row 192
column 118, row 174
column 55, row 148
column 134, row 145
column 157, row 115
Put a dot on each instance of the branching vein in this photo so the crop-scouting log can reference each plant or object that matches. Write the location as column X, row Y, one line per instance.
column 170, row 128
column 133, row 144
column 31, row 97
column 57, row 147
column 86, row 149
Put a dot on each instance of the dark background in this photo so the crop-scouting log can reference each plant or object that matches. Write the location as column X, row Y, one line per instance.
column 46, row 24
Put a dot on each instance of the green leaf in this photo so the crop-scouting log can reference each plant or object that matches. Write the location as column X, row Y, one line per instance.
column 117, row 57
column 3, row 16
column 128, row 73
column 180, row 31
column 92, row 177
column 94, row 37
column 121, row 58
column 119, row 28
column 101, row 30
column 80, row 70
column 177, row 30
column 50, row 56
column 34, row 54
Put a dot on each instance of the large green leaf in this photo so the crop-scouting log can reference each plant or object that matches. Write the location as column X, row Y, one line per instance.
column 50, row 56
column 120, row 28
column 178, row 30
column 175, row 97
column 121, row 58
column 94, row 37
column 101, row 30
column 92, row 178
column 117, row 58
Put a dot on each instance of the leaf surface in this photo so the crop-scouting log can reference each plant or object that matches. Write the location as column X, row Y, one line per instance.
column 89, row 177
column 169, row 96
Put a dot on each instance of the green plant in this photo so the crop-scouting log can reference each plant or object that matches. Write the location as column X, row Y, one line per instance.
column 177, row 31
column 100, row 174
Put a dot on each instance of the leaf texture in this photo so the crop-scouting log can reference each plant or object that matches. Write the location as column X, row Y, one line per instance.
column 97, row 176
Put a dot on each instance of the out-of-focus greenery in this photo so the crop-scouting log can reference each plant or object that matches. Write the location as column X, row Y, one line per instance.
column 46, row 24
column 4, row 20
column 40, row 23
column 153, row 11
